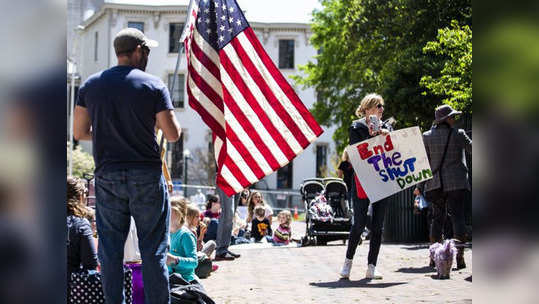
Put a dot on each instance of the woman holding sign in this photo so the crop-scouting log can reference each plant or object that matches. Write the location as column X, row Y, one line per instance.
column 368, row 125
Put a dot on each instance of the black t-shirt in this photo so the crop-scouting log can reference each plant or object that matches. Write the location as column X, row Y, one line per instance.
column 348, row 173
column 259, row 229
column 122, row 103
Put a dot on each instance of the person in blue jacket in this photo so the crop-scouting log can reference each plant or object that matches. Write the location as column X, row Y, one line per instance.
column 183, row 245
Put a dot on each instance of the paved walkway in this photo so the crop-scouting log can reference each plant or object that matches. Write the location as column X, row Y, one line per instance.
column 266, row 274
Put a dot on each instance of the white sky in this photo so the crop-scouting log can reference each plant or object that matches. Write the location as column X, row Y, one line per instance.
column 282, row 11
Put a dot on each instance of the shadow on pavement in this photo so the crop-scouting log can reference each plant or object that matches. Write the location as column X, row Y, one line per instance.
column 417, row 247
column 343, row 283
column 424, row 269
column 326, row 245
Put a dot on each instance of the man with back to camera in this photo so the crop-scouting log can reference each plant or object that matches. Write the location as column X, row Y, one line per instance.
column 118, row 109
column 446, row 147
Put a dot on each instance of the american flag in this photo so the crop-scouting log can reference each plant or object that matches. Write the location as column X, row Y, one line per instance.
column 258, row 122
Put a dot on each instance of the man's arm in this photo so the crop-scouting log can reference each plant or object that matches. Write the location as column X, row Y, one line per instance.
column 81, row 124
column 167, row 122
column 465, row 141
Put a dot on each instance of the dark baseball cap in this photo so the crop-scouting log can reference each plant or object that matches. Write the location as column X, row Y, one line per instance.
column 129, row 38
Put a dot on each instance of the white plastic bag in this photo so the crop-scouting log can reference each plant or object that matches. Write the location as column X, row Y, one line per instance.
column 131, row 250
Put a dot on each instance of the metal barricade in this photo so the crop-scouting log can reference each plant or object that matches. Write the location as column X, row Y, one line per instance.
column 278, row 200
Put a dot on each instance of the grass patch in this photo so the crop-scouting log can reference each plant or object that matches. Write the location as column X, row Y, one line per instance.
column 301, row 217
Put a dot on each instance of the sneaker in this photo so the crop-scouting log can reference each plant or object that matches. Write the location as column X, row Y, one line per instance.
column 224, row 257
column 346, row 268
column 372, row 273
column 235, row 255
column 214, row 267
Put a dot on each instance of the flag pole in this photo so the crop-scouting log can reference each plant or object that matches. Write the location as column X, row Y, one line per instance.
column 71, row 112
column 181, row 48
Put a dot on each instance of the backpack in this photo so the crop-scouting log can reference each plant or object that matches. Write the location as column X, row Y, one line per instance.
column 182, row 292
column 204, row 267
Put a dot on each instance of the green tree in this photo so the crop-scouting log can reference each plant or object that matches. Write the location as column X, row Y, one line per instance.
column 376, row 46
column 82, row 162
column 454, row 83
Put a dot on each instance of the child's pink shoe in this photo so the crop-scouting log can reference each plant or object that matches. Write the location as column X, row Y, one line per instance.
column 214, row 267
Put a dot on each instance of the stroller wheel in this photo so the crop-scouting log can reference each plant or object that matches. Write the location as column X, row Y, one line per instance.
column 320, row 241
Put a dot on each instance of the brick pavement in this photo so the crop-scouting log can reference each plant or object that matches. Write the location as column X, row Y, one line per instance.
column 266, row 274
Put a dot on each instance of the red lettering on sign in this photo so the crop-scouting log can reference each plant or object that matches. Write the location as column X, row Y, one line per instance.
column 388, row 145
column 364, row 151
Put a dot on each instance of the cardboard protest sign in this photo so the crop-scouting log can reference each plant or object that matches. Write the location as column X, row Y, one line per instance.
column 387, row 164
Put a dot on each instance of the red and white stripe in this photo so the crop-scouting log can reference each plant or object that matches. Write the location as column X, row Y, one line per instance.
column 258, row 122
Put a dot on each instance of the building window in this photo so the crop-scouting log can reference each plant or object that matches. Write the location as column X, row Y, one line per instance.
column 321, row 160
column 179, row 86
column 286, row 54
column 138, row 25
column 175, row 158
column 284, row 176
column 174, row 32
column 95, row 45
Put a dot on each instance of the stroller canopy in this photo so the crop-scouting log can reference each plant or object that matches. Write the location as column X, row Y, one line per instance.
column 311, row 187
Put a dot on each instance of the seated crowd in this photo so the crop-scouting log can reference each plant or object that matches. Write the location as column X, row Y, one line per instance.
column 192, row 232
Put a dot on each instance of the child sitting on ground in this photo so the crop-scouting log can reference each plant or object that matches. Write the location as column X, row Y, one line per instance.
column 283, row 234
column 195, row 225
column 260, row 226
column 198, row 228
column 255, row 199
column 320, row 210
column 211, row 217
column 182, row 244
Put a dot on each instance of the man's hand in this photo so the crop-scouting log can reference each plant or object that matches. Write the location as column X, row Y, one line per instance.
column 167, row 122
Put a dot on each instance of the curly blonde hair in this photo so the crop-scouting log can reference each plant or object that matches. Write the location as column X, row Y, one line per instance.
column 368, row 102
column 75, row 191
column 287, row 215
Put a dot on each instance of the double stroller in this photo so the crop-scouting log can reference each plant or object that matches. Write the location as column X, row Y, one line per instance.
column 321, row 227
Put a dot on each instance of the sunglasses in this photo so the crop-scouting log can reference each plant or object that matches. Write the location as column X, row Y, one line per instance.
column 379, row 106
column 146, row 50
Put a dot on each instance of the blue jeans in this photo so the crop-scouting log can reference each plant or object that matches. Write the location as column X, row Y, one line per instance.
column 224, row 230
column 211, row 233
column 143, row 195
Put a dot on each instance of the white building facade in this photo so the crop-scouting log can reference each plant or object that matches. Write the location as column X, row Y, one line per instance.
column 287, row 43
